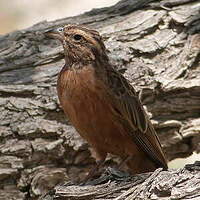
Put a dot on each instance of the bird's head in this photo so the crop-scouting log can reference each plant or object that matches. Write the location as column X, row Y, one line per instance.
column 81, row 45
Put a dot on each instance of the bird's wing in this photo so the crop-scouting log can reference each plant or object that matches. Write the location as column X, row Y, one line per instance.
column 129, row 110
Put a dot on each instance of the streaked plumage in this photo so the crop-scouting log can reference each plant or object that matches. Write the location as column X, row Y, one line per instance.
column 102, row 105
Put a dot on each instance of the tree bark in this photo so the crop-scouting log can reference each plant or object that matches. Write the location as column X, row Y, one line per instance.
column 159, row 185
column 155, row 44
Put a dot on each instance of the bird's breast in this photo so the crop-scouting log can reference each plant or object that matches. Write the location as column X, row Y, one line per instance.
column 85, row 101
column 82, row 97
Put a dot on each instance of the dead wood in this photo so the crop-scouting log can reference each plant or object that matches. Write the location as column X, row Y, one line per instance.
column 156, row 44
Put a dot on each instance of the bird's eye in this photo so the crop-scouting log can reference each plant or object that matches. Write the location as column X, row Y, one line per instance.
column 60, row 29
column 77, row 37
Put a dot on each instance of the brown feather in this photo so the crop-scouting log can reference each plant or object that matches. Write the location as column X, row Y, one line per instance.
column 102, row 105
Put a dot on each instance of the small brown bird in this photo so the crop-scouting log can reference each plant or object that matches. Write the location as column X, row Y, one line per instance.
column 102, row 105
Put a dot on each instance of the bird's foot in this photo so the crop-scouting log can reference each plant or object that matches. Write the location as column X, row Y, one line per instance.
column 109, row 174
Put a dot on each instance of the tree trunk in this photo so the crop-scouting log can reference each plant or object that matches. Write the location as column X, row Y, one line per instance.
column 155, row 44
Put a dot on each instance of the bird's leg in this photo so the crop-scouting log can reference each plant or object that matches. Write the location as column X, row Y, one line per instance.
column 124, row 160
column 93, row 170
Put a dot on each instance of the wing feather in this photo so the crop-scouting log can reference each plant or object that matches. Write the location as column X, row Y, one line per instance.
column 133, row 115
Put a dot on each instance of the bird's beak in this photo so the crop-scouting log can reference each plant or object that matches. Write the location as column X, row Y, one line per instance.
column 56, row 33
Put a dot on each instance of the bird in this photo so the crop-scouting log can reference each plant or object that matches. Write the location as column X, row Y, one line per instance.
column 102, row 105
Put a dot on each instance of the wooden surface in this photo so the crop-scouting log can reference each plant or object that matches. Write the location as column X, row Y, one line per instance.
column 160, row 185
column 156, row 44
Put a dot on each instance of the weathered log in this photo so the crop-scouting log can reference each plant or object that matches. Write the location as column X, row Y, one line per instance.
column 156, row 44
column 161, row 185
